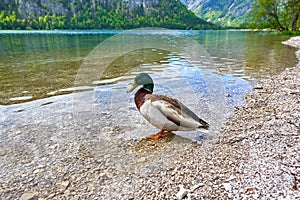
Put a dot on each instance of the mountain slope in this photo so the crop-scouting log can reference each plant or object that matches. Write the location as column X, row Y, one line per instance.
column 97, row 14
column 232, row 13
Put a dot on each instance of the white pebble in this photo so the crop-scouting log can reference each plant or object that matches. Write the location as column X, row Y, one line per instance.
column 182, row 193
column 227, row 186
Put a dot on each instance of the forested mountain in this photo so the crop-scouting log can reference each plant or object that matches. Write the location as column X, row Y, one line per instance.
column 230, row 13
column 97, row 14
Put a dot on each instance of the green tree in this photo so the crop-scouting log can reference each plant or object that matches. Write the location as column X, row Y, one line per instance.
column 276, row 14
column 293, row 11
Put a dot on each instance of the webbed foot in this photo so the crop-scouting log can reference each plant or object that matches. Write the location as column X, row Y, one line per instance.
column 157, row 136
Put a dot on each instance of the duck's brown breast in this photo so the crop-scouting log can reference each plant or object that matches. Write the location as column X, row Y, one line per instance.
column 139, row 97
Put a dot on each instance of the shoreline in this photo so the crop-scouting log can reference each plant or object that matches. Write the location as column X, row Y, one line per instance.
column 256, row 155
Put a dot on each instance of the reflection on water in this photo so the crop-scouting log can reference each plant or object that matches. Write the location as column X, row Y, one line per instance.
column 146, row 58
column 246, row 54
column 38, row 65
column 35, row 64
column 265, row 55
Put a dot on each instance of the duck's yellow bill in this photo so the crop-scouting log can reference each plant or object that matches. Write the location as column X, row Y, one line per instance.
column 133, row 86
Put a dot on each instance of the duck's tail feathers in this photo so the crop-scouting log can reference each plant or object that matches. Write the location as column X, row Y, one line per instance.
column 204, row 129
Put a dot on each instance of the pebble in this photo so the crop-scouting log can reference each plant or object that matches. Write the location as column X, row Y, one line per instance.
column 142, row 160
column 63, row 185
column 28, row 196
column 182, row 193
column 91, row 187
column 227, row 186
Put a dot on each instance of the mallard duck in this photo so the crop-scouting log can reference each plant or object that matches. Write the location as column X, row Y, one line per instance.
column 163, row 112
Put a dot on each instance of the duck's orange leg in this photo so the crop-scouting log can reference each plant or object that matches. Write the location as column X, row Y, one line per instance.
column 156, row 136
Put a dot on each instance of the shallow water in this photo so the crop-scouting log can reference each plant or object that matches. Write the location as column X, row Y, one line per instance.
column 209, row 71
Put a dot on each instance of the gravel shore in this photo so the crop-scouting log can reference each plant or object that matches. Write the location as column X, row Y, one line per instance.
column 255, row 156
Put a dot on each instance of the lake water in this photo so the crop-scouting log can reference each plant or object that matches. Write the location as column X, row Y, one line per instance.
column 38, row 64
column 210, row 71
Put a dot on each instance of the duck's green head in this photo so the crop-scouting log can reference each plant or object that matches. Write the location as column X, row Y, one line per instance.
column 142, row 79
